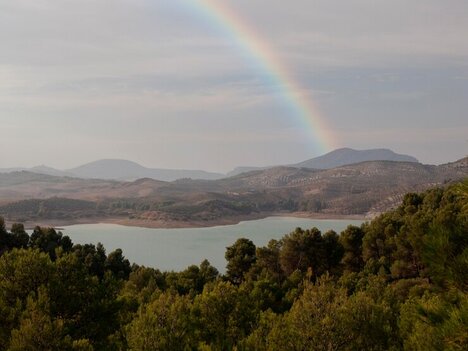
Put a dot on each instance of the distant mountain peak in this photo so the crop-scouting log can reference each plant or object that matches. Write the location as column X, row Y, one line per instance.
column 347, row 156
column 119, row 169
column 339, row 157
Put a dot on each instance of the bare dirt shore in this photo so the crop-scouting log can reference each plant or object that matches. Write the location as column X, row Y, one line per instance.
column 58, row 223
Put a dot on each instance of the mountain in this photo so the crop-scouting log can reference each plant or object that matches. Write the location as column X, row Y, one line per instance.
column 347, row 156
column 337, row 158
column 115, row 169
column 128, row 170
column 42, row 169
column 365, row 188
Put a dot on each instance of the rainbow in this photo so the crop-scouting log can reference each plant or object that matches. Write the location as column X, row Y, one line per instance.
column 294, row 95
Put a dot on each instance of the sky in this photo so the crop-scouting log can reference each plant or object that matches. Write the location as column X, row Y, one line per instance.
column 168, row 84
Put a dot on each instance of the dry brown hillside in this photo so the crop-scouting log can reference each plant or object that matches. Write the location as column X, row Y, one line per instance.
column 366, row 188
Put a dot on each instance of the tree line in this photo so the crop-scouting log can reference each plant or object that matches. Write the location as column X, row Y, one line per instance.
column 398, row 282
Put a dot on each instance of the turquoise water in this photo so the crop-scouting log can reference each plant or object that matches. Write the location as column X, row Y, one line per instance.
column 176, row 249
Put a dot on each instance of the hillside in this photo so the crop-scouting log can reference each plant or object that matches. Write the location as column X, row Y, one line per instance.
column 337, row 158
column 398, row 282
column 363, row 189
column 128, row 170
column 124, row 170
column 38, row 170
column 347, row 156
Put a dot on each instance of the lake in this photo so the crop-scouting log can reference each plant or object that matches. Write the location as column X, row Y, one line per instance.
column 176, row 249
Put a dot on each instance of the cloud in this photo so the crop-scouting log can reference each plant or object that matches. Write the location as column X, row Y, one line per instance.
column 118, row 71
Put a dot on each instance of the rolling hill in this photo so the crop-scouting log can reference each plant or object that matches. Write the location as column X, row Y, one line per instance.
column 337, row 158
column 347, row 156
column 113, row 169
column 364, row 189
column 124, row 170
column 128, row 170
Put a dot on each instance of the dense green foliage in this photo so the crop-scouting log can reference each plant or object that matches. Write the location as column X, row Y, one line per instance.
column 399, row 282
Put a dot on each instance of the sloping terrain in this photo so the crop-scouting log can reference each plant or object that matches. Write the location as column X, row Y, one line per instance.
column 338, row 158
column 365, row 188
column 128, row 170
column 124, row 170
column 347, row 156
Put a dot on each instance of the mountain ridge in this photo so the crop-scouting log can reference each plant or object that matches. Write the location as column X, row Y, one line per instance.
column 347, row 156
column 365, row 189
column 120, row 169
column 337, row 158
column 129, row 170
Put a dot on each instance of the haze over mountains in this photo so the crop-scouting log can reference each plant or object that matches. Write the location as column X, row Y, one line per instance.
column 128, row 170
column 340, row 157
column 347, row 156
column 117, row 169
column 365, row 188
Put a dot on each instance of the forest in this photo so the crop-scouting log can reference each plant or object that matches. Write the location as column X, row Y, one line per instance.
column 398, row 282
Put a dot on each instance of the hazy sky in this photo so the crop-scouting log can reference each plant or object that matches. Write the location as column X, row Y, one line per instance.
column 162, row 83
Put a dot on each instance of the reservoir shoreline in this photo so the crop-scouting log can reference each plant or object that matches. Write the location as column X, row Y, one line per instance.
column 178, row 248
column 172, row 224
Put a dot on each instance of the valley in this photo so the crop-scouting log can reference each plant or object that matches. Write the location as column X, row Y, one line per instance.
column 361, row 190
